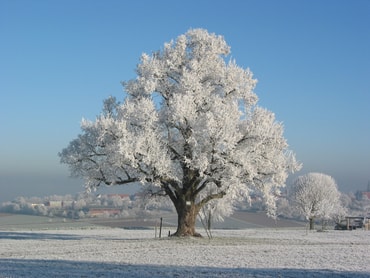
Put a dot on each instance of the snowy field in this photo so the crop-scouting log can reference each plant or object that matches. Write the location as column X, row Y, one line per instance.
column 113, row 252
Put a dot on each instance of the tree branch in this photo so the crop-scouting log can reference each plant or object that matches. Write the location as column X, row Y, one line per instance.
column 212, row 197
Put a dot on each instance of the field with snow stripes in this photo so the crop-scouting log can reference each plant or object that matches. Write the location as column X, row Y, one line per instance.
column 113, row 252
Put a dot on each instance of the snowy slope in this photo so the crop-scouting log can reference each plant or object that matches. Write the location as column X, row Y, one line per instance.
column 106, row 252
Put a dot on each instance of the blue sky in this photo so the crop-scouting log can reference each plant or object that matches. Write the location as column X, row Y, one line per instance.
column 60, row 59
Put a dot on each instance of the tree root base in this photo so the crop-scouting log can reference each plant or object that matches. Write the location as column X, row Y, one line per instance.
column 186, row 235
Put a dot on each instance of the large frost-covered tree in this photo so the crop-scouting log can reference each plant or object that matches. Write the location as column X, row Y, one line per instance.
column 189, row 129
column 316, row 195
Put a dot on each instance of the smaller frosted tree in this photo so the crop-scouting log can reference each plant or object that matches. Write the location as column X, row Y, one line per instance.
column 315, row 195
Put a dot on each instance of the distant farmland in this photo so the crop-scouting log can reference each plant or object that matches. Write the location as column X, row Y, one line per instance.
column 239, row 220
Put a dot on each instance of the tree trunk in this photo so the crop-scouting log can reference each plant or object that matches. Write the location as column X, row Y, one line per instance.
column 187, row 214
column 312, row 223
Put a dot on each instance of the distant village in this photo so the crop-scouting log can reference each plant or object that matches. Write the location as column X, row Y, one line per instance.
column 112, row 206
column 85, row 205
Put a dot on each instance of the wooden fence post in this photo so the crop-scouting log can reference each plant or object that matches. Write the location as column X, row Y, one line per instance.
column 160, row 228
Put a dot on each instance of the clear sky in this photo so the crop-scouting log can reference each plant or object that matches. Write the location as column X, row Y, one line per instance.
column 60, row 59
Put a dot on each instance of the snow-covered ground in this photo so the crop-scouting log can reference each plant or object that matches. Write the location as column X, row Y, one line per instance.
column 109, row 252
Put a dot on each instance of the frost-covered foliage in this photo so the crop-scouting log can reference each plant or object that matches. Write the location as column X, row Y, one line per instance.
column 190, row 129
column 315, row 195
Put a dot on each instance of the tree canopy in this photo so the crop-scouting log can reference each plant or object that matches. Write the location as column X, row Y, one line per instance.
column 189, row 129
column 316, row 195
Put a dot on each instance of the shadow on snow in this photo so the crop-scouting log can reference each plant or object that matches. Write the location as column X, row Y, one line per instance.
column 32, row 235
column 62, row 268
